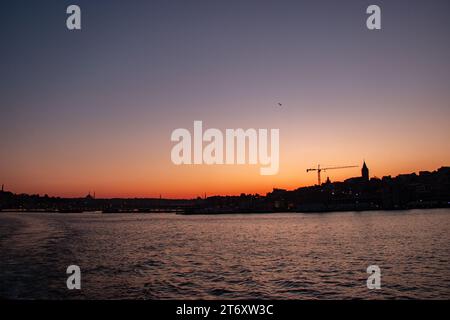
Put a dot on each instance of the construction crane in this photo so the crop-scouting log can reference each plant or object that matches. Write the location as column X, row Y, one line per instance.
column 319, row 169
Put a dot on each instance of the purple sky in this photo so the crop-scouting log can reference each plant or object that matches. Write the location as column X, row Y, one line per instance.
column 78, row 108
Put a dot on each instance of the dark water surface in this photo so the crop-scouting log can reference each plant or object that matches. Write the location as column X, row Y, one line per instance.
column 280, row 256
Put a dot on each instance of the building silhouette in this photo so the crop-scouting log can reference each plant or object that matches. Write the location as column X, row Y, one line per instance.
column 365, row 172
column 428, row 189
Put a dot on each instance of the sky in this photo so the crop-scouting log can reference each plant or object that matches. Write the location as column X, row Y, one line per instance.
column 93, row 110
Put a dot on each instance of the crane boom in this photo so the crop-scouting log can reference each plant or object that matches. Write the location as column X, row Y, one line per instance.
column 344, row 167
column 319, row 169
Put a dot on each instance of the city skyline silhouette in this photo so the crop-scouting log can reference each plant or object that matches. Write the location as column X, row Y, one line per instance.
column 94, row 109
column 223, row 155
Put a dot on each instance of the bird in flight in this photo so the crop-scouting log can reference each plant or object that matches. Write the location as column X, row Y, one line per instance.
column 279, row 104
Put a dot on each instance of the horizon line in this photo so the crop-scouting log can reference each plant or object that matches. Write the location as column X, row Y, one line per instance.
column 200, row 196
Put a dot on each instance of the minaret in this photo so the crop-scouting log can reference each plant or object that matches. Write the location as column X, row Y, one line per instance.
column 365, row 172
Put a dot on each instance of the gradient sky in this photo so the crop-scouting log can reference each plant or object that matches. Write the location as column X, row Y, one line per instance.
column 94, row 110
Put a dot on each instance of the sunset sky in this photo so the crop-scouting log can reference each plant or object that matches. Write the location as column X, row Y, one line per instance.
column 93, row 110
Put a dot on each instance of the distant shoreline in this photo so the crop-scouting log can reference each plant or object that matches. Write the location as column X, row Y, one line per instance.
column 425, row 190
column 219, row 213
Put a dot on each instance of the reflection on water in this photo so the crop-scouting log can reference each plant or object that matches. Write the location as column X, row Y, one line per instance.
column 280, row 256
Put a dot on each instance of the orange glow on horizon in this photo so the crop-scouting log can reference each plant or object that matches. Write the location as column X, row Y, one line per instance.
column 244, row 180
column 135, row 162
